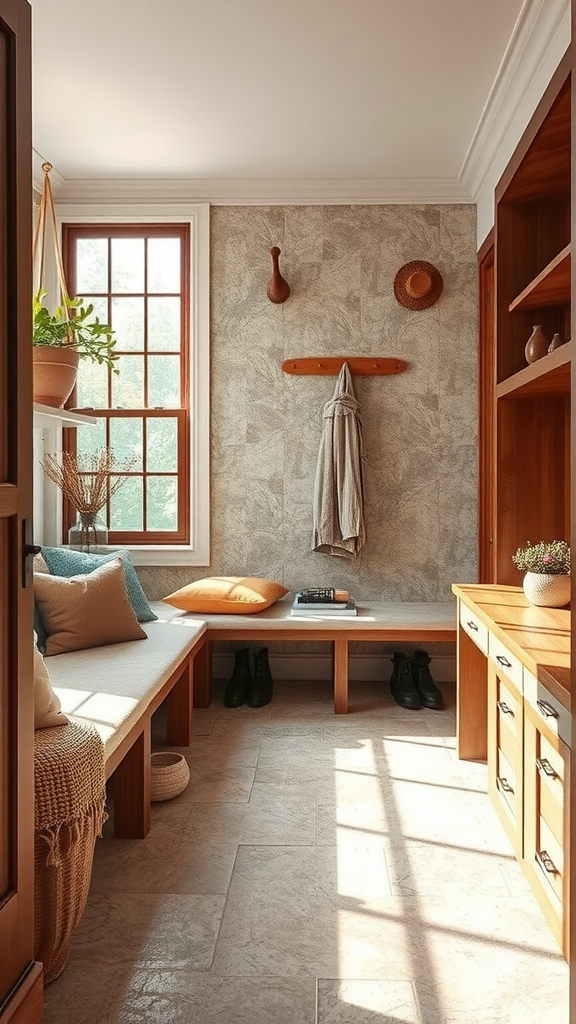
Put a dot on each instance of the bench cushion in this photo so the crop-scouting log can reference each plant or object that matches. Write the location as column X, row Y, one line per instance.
column 112, row 686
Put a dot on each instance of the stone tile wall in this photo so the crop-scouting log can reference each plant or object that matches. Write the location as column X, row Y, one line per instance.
column 420, row 427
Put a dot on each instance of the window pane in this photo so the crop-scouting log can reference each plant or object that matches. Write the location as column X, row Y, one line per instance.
column 128, row 324
column 91, row 265
column 162, row 511
column 127, row 264
column 126, row 439
column 162, row 445
column 126, row 505
column 164, row 382
column 164, row 325
column 163, row 264
column 100, row 307
column 92, row 385
column 128, row 387
column 90, row 439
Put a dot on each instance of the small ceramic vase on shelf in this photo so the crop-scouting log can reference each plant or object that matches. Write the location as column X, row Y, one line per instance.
column 536, row 346
column 547, row 590
column 555, row 343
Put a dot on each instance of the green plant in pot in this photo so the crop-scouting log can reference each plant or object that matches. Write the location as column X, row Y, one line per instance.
column 61, row 338
column 546, row 568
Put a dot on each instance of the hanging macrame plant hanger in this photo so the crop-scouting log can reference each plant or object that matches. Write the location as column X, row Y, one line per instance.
column 55, row 362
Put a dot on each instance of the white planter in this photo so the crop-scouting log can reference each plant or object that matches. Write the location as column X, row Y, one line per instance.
column 545, row 590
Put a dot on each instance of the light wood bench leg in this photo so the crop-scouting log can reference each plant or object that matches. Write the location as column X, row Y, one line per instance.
column 202, row 674
column 179, row 710
column 132, row 789
column 340, row 674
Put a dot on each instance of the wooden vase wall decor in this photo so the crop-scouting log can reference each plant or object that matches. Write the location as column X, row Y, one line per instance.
column 278, row 289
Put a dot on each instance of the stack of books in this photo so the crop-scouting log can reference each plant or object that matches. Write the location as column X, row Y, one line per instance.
column 321, row 602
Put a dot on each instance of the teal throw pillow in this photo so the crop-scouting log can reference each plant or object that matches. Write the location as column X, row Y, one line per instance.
column 69, row 562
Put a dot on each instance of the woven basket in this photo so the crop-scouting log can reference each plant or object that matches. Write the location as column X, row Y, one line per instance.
column 170, row 775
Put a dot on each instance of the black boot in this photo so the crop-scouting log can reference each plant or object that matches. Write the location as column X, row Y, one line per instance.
column 402, row 686
column 236, row 692
column 430, row 695
column 261, row 682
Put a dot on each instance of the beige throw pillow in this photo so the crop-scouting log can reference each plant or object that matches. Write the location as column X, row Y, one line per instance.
column 47, row 707
column 90, row 610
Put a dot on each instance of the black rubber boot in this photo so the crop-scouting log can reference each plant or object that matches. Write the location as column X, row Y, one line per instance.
column 261, row 682
column 430, row 695
column 402, row 685
column 236, row 692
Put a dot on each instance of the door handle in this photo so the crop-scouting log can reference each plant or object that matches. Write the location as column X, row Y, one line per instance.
column 29, row 549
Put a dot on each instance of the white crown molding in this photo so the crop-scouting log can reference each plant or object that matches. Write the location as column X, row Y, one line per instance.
column 539, row 40
column 261, row 192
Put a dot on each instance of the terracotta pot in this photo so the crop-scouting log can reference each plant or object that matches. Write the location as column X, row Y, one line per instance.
column 54, row 374
column 545, row 590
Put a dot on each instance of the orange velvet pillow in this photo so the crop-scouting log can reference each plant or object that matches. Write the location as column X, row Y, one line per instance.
column 227, row 595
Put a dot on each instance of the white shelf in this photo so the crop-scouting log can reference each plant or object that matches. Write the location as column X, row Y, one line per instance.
column 48, row 416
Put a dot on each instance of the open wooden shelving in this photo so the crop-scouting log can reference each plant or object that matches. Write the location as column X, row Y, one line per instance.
column 532, row 403
column 551, row 287
column 547, row 376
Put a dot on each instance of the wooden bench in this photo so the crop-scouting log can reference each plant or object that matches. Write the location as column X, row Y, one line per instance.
column 119, row 687
column 401, row 622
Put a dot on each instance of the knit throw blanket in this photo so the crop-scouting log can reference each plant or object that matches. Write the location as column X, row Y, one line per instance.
column 69, row 784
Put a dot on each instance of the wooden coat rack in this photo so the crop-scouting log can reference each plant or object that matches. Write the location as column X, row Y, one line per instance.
column 360, row 366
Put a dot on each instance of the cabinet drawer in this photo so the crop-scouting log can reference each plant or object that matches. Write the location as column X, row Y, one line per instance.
column 548, row 708
column 552, row 812
column 552, row 765
column 550, row 860
column 506, row 663
column 508, row 744
column 508, row 708
column 506, row 783
column 475, row 629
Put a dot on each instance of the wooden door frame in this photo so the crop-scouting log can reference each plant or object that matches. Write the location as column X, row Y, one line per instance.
column 21, row 994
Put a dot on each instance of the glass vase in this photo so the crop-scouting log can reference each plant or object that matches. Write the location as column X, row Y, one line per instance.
column 89, row 533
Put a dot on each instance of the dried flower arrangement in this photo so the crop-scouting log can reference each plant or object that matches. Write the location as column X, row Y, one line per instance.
column 87, row 481
column 551, row 558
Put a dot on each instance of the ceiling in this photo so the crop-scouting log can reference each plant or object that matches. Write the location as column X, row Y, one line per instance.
column 256, row 89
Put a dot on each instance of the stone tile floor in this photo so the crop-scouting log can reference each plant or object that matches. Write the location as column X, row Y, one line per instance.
column 317, row 870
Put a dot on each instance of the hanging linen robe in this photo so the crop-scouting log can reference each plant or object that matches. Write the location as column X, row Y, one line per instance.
column 338, row 489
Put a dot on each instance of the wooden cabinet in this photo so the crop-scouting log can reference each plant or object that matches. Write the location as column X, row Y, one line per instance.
column 523, row 658
column 546, row 854
column 505, row 754
column 532, row 406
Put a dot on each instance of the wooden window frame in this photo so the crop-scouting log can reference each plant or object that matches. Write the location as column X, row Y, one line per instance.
column 72, row 233
column 157, row 548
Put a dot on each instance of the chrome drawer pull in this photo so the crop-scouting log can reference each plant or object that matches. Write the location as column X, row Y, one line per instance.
column 546, row 863
column 503, row 661
column 543, row 765
column 472, row 625
column 504, row 708
column 504, row 785
column 547, row 710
